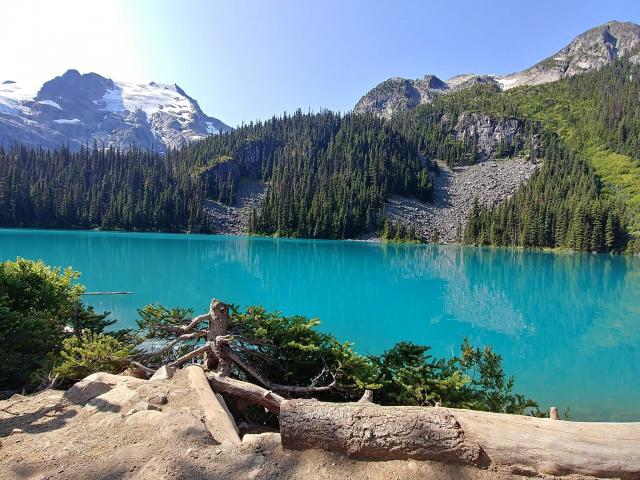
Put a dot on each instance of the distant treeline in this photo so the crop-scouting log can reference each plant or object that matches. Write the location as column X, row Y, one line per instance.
column 106, row 188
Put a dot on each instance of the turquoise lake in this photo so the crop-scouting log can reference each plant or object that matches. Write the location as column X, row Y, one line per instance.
column 567, row 325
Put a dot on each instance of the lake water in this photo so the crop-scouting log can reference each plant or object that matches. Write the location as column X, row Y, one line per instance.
column 567, row 325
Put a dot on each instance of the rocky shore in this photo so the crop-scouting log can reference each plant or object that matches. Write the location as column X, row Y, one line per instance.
column 234, row 219
column 455, row 190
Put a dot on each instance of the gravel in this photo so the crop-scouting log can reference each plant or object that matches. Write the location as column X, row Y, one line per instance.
column 234, row 219
column 491, row 182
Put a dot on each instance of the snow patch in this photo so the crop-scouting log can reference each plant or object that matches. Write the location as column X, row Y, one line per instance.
column 68, row 121
column 12, row 97
column 149, row 98
column 211, row 129
column 51, row 103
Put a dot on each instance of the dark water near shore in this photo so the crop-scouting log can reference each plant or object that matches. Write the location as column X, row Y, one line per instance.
column 568, row 325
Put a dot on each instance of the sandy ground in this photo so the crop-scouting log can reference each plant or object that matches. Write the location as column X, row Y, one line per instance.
column 158, row 430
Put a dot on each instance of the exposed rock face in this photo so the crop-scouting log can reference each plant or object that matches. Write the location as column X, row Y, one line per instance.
column 589, row 51
column 89, row 108
column 488, row 132
column 453, row 196
column 399, row 94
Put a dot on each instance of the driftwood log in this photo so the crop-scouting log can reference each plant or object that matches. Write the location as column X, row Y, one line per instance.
column 521, row 444
column 369, row 431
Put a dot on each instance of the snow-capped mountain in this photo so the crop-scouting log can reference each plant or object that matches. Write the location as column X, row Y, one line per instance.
column 590, row 50
column 83, row 109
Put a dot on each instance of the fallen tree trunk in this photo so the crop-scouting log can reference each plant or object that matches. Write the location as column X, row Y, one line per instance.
column 369, row 431
column 521, row 444
column 555, row 447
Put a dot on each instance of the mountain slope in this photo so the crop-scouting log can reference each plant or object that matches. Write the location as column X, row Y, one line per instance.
column 592, row 50
column 596, row 115
column 83, row 109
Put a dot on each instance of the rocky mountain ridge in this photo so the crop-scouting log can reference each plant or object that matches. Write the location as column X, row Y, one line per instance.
column 589, row 51
column 81, row 109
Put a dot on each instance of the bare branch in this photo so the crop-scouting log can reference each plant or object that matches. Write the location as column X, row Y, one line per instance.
column 196, row 321
column 246, row 391
column 193, row 354
column 223, row 348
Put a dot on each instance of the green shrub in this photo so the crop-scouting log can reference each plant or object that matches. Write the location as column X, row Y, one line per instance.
column 39, row 307
column 91, row 353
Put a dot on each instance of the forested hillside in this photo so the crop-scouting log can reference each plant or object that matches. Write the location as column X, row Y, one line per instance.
column 133, row 190
column 592, row 177
column 329, row 175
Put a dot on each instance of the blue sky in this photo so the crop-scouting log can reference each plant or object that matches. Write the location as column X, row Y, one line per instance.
column 244, row 60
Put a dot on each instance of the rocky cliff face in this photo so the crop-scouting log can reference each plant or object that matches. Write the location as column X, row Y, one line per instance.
column 90, row 108
column 400, row 94
column 589, row 51
column 489, row 133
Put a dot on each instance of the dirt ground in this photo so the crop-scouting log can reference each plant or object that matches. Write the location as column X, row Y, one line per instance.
column 154, row 430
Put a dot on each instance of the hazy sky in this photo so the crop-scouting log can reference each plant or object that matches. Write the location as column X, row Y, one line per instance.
column 244, row 60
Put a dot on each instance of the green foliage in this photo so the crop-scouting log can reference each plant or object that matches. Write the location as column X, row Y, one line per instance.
column 409, row 376
column 559, row 207
column 398, row 232
column 292, row 351
column 475, row 379
column 110, row 189
column 37, row 309
column 156, row 320
column 200, row 169
column 91, row 353
column 328, row 175
column 160, row 326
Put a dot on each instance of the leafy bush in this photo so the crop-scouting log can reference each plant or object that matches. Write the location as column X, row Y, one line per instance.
column 39, row 307
column 294, row 351
column 475, row 379
column 91, row 353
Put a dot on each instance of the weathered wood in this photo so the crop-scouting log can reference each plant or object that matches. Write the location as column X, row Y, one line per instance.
column 545, row 446
column 521, row 444
column 367, row 397
column 191, row 355
column 218, row 326
column 246, row 391
column 370, row 431
column 217, row 418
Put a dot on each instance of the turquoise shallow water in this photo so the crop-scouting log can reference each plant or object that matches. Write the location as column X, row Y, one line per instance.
column 568, row 325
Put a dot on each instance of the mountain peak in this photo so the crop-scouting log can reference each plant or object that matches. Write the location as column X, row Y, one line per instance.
column 89, row 107
column 400, row 94
column 591, row 50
